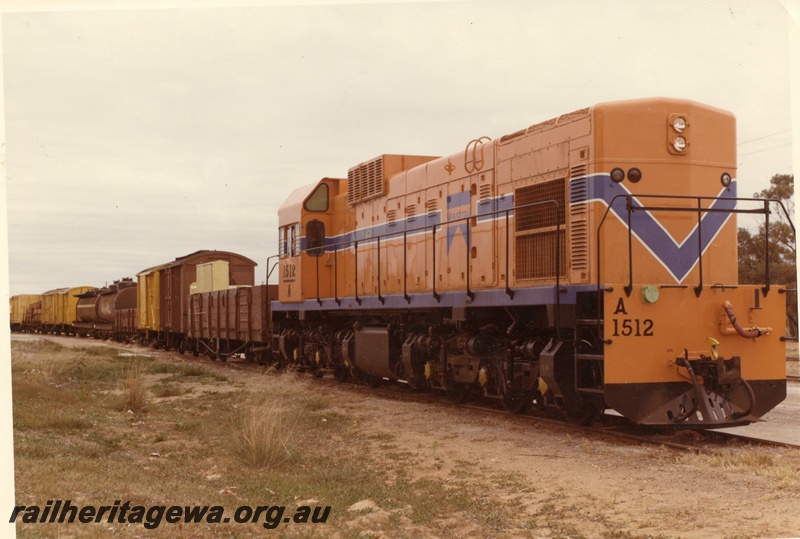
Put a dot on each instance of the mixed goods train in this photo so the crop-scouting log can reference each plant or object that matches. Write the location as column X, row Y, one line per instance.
column 588, row 262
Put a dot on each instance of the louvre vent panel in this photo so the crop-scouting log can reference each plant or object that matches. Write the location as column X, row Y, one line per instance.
column 579, row 170
column 486, row 192
column 365, row 181
column 580, row 245
column 411, row 210
column 432, row 205
column 579, row 225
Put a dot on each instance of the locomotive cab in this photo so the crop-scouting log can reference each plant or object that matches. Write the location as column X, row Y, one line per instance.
column 305, row 221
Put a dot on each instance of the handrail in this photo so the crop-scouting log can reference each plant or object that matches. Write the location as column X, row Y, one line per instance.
column 269, row 271
column 700, row 210
column 559, row 229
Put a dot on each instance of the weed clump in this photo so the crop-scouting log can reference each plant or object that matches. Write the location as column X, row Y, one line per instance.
column 134, row 396
column 263, row 428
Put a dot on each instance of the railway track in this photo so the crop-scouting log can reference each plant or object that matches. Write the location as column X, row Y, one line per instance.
column 609, row 426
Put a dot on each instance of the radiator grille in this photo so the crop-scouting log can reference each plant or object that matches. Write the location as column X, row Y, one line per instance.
column 543, row 215
column 537, row 230
column 536, row 256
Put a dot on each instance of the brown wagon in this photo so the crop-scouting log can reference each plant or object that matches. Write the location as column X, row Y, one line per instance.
column 231, row 321
column 175, row 282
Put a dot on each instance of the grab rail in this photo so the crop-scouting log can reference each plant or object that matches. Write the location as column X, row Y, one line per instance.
column 432, row 229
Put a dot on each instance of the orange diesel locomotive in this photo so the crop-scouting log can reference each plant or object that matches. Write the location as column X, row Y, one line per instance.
column 584, row 263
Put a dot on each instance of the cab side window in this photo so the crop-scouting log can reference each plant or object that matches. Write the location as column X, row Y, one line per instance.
column 289, row 240
column 315, row 238
column 318, row 200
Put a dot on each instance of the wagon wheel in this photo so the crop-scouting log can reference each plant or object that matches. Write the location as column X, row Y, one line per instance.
column 182, row 347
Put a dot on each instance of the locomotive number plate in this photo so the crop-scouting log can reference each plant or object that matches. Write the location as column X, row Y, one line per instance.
column 632, row 327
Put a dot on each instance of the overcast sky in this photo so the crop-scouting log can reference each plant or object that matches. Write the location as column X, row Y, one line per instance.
column 134, row 136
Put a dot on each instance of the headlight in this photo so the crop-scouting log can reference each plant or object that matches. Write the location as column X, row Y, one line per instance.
column 725, row 179
column 617, row 175
column 679, row 143
column 679, row 124
column 634, row 175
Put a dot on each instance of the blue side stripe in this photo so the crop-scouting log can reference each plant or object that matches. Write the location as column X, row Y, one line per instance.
column 678, row 258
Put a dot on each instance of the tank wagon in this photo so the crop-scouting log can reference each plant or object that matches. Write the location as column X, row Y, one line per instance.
column 98, row 311
column 583, row 263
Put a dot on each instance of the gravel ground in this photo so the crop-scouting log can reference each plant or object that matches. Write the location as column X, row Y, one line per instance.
column 562, row 483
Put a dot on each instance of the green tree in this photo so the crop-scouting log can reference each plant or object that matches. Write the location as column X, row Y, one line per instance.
column 782, row 246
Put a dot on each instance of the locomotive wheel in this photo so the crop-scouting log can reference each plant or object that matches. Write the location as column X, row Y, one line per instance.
column 517, row 401
column 459, row 393
column 418, row 383
column 195, row 352
column 340, row 373
column 182, row 347
column 584, row 409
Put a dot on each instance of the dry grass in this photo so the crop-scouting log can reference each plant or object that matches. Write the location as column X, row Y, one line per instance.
column 782, row 470
column 263, row 429
column 134, row 394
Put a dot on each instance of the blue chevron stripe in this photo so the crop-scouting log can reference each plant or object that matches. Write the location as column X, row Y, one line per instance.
column 678, row 258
